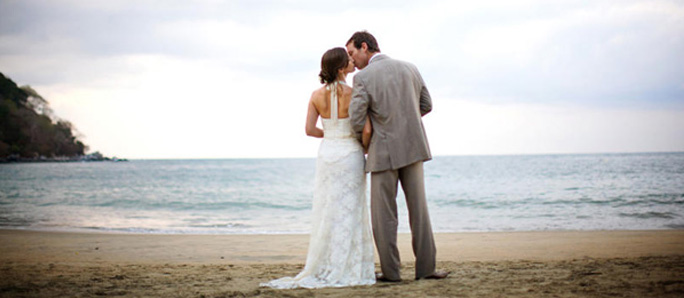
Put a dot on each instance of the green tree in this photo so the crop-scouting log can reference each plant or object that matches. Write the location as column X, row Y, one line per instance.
column 29, row 128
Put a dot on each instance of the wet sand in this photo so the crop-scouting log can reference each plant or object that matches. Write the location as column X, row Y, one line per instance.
column 529, row 264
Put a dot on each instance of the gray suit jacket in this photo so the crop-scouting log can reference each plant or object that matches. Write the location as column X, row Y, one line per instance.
column 393, row 93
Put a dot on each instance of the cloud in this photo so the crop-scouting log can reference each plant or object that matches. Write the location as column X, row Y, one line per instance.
column 204, row 110
column 464, row 127
column 208, row 78
column 603, row 52
column 615, row 53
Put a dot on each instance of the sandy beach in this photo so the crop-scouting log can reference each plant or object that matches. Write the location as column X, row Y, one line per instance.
column 527, row 264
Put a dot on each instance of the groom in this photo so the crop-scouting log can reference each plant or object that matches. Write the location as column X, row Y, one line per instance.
column 392, row 93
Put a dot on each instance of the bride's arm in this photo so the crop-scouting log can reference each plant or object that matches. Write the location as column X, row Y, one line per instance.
column 311, row 119
column 366, row 134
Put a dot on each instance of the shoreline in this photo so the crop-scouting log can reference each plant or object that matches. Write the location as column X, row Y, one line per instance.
column 522, row 264
column 98, row 231
column 292, row 248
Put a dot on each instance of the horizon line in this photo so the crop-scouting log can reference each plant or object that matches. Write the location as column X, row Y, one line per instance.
column 439, row 155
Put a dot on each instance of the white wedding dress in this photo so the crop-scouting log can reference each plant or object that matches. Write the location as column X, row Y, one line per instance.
column 340, row 248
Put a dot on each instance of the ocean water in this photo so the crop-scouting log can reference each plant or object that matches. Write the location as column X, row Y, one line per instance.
column 256, row 196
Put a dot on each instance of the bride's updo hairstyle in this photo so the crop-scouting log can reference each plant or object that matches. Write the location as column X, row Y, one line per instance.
column 332, row 61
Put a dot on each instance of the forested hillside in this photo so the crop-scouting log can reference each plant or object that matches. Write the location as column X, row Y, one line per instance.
column 28, row 129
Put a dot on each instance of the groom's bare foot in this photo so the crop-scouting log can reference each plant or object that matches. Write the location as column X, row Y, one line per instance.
column 382, row 278
column 436, row 275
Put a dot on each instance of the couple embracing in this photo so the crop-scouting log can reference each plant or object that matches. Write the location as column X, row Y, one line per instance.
column 381, row 115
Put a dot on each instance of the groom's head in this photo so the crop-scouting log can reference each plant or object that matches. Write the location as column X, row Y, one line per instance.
column 361, row 47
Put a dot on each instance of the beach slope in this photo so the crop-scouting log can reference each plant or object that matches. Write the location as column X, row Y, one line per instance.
column 556, row 263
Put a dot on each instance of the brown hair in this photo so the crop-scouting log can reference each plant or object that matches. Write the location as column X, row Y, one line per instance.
column 363, row 36
column 332, row 61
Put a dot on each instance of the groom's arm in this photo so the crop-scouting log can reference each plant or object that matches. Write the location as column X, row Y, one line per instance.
column 425, row 99
column 358, row 107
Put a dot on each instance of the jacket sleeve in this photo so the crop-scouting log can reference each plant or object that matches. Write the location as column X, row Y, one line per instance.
column 425, row 101
column 358, row 107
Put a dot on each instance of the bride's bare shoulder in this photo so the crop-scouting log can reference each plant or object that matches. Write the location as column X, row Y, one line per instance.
column 346, row 90
column 318, row 96
column 318, row 93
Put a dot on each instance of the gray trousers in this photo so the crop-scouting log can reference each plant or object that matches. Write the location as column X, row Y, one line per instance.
column 384, row 219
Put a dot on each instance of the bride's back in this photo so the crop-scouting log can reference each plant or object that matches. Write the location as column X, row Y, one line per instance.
column 321, row 100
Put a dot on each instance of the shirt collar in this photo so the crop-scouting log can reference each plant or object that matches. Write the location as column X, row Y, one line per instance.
column 373, row 57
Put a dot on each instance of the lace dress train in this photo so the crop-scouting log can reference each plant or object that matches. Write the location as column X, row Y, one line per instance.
column 340, row 247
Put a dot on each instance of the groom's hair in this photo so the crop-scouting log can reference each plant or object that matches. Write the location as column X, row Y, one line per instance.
column 363, row 36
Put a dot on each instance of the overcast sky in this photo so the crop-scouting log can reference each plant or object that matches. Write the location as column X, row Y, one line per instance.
column 231, row 79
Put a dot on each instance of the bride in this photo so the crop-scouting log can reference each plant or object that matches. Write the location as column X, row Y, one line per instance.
column 340, row 248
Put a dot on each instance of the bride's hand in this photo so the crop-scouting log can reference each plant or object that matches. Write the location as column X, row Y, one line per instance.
column 366, row 135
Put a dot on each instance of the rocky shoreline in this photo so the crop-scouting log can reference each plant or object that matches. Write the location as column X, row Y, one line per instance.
column 97, row 156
